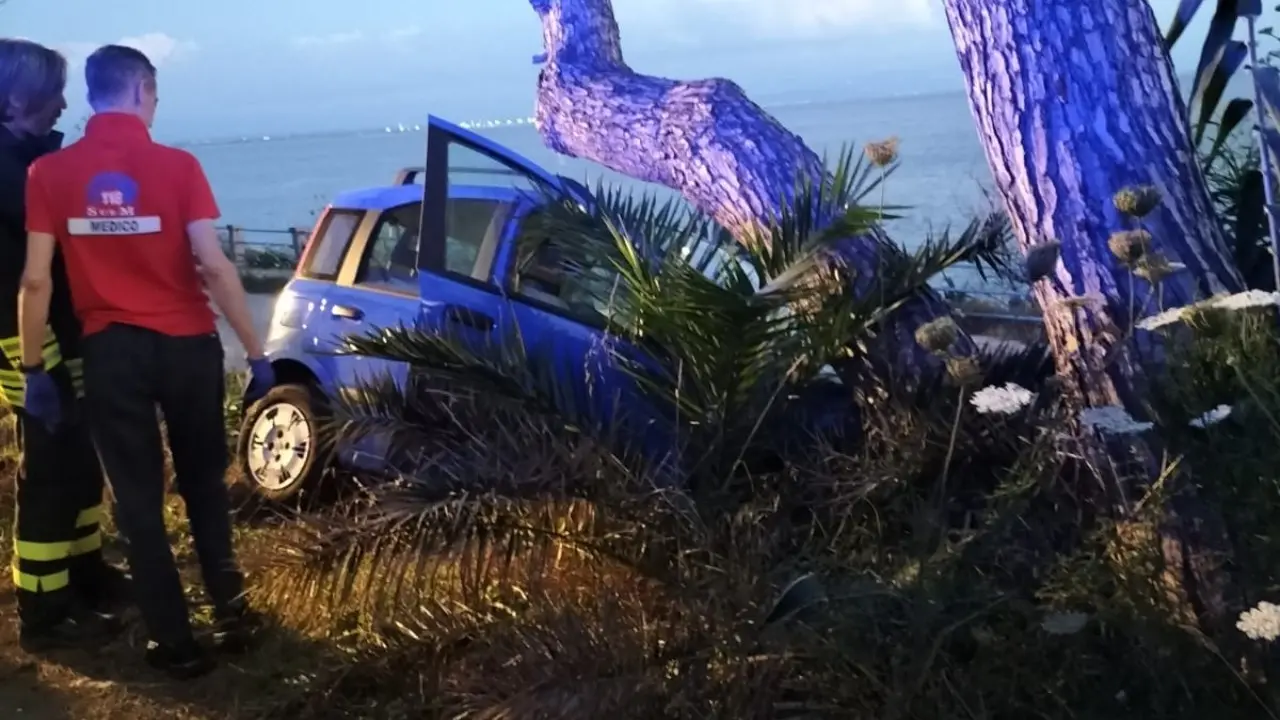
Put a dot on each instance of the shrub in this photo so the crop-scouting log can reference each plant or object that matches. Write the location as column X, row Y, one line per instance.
column 829, row 538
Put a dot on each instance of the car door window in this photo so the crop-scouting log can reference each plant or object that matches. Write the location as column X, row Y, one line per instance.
column 324, row 256
column 545, row 276
column 480, row 193
column 473, row 227
column 391, row 259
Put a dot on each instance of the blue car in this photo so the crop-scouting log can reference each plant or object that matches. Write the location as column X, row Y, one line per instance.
column 439, row 254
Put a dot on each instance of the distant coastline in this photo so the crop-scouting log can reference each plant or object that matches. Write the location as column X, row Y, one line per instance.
column 512, row 121
column 1237, row 87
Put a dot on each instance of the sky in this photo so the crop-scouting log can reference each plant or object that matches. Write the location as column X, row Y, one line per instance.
column 254, row 67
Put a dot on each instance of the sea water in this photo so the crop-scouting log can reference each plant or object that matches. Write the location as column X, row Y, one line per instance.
column 282, row 182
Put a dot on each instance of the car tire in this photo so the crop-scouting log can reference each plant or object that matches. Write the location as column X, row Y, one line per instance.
column 281, row 452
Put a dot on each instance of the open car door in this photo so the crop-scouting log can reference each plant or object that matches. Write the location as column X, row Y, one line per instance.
column 478, row 297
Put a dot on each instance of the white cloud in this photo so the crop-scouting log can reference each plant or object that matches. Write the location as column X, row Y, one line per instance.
column 817, row 16
column 159, row 47
column 341, row 38
column 776, row 18
column 404, row 33
column 394, row 36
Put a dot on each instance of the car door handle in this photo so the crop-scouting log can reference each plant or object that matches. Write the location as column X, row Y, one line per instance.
column 470, row 318
column 347, row 312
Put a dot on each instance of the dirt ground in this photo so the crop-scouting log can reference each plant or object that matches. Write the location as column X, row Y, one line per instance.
column 112, row 681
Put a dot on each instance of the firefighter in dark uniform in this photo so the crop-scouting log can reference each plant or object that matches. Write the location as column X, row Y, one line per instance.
column 58, row 569
column 134, row 221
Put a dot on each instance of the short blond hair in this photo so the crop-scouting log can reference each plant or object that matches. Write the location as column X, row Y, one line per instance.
column 113, row 70
column 30, row 73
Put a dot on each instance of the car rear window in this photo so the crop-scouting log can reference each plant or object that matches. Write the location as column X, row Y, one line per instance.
column 330, row 245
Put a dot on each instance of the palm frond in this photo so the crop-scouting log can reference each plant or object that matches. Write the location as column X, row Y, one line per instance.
column 499, row 370
column 818, row 213
column 1234, row 176
column 719, row 338
column 383, row 562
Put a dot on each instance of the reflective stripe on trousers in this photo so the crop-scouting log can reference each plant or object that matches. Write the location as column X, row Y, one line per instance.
column 12, row 383
column 42, row 566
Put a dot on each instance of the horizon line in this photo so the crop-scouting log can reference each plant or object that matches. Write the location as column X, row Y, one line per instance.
column 512, row 121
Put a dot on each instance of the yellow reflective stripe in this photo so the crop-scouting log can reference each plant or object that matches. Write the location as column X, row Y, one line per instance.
column 90, row 516
column 12, row 347
column 37, row 583
column 86, row 545
column 12, row 387
column 75, row 368
column 12, row 384
column 41, row 552
column 52, row 355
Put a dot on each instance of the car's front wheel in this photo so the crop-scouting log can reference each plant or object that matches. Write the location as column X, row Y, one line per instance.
column 281, row 452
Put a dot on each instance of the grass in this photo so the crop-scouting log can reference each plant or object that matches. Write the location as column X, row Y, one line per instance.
column 111, row 682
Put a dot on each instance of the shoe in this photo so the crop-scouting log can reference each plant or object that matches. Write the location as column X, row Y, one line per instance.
column 237, row 632
column 80, row 629
column 186, row 661
column 105, row 588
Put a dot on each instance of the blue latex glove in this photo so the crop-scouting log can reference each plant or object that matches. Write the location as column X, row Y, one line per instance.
column 42, row 400
column 262, row 377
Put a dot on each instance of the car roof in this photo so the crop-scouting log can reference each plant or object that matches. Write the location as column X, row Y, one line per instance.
column 393, row 196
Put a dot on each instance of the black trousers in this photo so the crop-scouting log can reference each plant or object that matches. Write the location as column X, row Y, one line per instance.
column 129, row 372
column 57, row 550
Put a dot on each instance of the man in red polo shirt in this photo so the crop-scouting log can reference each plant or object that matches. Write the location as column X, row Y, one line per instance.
column 132, row 219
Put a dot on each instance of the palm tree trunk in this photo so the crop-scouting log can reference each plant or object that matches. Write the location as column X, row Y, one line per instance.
column 1075, row 100
column 703, row 138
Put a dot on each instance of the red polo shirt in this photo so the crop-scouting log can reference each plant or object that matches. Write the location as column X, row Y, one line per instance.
column 119, row 205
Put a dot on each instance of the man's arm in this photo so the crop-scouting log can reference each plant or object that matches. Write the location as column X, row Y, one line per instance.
column 221, row 277
column 34, row 296
column 223, row 281
column 36, row 290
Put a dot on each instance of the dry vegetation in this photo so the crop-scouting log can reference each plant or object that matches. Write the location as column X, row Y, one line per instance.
column 931, row 554
column 112, row 682
column 945, row 569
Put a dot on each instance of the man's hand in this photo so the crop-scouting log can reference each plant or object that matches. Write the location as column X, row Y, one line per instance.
column 262, row 377
column 42, row 401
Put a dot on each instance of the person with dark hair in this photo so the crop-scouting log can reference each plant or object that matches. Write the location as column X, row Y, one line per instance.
column 59, row 573
column 134, row 220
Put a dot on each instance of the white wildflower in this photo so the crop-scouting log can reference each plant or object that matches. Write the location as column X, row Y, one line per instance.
column 1245, row 300
column 1168, row 317
column 1261, row 623
column 1113, row 420
column 1064, row 623
column 1003, row 400
column 1213, row 417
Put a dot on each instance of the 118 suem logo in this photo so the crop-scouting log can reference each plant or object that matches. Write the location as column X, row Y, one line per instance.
column 111, row 204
